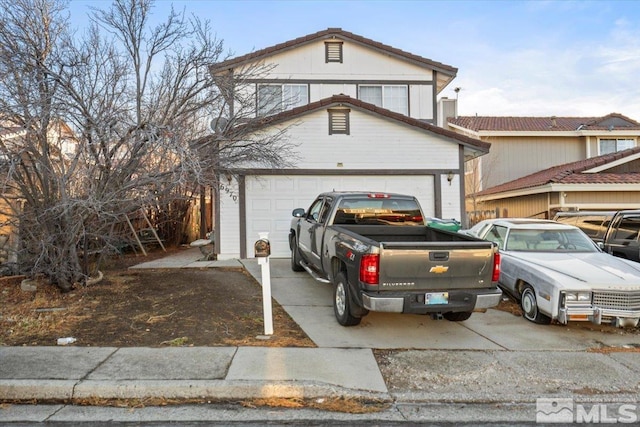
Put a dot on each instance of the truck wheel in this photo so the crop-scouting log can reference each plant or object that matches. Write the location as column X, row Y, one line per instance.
column 342, row 302
column 529, row 304
column 295, row 255
column 457, row 317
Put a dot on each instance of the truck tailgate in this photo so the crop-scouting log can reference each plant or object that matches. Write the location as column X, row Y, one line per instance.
column 435, row 266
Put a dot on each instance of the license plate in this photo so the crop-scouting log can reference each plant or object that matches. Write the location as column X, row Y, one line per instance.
column 433, row 298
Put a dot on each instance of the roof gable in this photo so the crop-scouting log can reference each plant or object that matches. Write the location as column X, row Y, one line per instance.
column 446, row 73
column 580, row 172
column 473, row 147
column 545, row 124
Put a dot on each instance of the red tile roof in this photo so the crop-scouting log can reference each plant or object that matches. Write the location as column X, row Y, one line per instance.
column 571, row 173
column 328, row 34
column 545, row 124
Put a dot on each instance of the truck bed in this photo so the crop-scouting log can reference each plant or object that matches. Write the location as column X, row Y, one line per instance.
column 405, row 233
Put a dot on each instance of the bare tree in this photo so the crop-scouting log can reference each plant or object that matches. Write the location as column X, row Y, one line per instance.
column 137, row 101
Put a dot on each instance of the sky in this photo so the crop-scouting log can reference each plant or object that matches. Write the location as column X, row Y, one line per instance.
column 514, row 58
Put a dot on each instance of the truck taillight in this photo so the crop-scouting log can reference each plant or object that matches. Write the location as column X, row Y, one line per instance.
column 496, row 267
column 369, row 269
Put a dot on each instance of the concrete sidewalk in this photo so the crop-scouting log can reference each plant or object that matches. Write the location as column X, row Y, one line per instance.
column 215, row 373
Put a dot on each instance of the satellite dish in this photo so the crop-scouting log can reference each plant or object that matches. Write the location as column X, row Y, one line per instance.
column 218, row 124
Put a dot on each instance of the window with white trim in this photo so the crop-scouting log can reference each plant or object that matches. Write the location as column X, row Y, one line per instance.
column 338, row 121
column 333, row 51
column 391, row 97
column 275, row 98
column 613, row 145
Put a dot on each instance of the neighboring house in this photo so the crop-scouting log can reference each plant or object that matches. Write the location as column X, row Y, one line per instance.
column 606, row 182
column 11, row 146
column 365, row 118
column 524, row 145
column 521, row 146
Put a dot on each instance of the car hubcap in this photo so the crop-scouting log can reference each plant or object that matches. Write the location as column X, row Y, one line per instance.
column 340, row 299
column 528, row 303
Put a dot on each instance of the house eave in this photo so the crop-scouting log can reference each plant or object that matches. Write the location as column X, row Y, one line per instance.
column 556, row 188
column 557, row 133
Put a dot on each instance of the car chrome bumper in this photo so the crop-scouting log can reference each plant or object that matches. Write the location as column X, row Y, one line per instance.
column 599, row 315
column 389, row 305
column 485, row 301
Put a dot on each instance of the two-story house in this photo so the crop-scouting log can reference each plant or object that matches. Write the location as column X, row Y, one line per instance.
column 539, row 165
column 365, row 118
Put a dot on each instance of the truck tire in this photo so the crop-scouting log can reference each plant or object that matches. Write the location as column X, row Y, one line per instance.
column 529, row 304
column 295, row 254
column 457, row 317
column 342, row 301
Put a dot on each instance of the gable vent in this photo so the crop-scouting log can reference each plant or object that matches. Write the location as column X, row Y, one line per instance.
column 339, row 121
column 333, row 51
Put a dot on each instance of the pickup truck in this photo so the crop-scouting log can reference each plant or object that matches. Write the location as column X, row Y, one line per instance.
column 379, row 254
column 621, row 236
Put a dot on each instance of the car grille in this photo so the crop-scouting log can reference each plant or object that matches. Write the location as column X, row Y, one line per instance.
column 617, row 300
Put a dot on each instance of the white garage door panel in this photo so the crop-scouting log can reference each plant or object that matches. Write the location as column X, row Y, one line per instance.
column 270, row 200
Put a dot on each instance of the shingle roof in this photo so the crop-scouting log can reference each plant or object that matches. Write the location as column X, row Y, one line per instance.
column 571, row 173
column 344, row 100
column 356, row 103
column 337, row 32
column 545, row 124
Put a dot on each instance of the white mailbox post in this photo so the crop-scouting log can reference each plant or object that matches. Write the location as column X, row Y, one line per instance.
column 262, row 252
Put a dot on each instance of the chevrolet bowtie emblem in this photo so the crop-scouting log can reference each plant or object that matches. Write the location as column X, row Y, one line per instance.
column 439, row 269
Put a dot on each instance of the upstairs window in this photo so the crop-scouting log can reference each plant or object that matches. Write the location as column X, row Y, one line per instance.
column 339, row 121
column 612, row 145
column 275, row 98
column 391, row 97
column 333, row 51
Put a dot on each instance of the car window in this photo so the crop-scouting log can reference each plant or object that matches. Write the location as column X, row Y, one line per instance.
column 324, row 211
column 627, row 228
column 314, row 210
column 549, row 240
column 497, row 234
column 378, row 211
column 592, row 225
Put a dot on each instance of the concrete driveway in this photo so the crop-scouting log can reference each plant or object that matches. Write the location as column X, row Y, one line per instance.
column 309, row 303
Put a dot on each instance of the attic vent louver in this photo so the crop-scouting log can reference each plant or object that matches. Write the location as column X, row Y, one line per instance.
column 333, row 51
column 339, row 121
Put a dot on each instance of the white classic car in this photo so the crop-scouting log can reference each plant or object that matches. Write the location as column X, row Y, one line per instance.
column 558, row 273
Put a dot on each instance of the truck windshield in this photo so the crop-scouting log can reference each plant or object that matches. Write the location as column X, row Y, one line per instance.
column 378, row 211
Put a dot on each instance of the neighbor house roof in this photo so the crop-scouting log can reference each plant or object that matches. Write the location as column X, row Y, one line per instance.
column 545, row 124
column 573, row 173
column 331, row 33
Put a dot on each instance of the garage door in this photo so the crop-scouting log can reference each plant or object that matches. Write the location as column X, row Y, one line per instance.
column 270, row 200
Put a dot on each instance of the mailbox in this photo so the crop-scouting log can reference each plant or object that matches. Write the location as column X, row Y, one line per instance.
column 262, row 248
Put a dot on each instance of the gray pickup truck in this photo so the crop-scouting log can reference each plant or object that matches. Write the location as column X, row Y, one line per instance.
column 380, row 256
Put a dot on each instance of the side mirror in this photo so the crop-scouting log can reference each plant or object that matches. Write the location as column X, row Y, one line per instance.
column 298, row 213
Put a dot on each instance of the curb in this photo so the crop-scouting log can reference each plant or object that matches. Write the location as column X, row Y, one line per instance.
column 218, row 390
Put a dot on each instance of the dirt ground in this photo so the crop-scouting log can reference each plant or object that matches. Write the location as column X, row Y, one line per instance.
column 137, row 308
column 157, row 308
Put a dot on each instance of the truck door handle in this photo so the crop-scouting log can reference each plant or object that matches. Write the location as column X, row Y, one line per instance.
column 438, row 256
